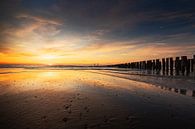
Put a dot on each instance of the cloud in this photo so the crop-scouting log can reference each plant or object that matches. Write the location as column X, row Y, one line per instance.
column 119, row 29
column 108, row 47
column 28, row 29
column 39, row 19
column 154, row 51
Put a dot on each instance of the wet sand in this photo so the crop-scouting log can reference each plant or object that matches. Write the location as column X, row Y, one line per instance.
column 82, row 99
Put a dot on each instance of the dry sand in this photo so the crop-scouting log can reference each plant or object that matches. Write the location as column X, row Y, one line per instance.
column 82, row 99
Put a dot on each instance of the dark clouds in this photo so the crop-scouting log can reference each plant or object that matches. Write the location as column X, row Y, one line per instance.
column 148, row 21
column 124, row 19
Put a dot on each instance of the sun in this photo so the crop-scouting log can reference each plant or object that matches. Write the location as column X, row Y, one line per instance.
column 48, row 59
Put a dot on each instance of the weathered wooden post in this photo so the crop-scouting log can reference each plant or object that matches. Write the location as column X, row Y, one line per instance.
column 183, row 64
column 153, row 65
column 147, row 64
column 177, row 65
column 191, row 64
column 140, row 65
column 150, row 64
column 194, row 66
column 163, row 65
column 133, row 64
column 157, row 66
column 167, row 66
column 171, row 66
column 176, row 90
column 129, row 65
column 183, row 91
column 188, row 67
column 144, row 64
column 193, row 93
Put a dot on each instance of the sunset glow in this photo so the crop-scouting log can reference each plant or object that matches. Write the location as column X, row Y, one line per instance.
column 32, row 33
column 97, row 64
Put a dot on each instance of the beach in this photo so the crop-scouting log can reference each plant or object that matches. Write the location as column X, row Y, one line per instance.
column 93, row 99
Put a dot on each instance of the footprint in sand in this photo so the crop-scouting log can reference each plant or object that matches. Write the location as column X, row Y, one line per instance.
column 44, row 117
column 65, row 119
column 106, row 120
column 70, row 111
column 131, row 118
column 86, row 109
column 67, row 106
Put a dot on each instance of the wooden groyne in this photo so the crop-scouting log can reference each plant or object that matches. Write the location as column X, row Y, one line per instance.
column 167, row 66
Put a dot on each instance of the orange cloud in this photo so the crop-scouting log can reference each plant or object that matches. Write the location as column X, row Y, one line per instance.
column 154, row 51
column 40, row 19
column 42, row 42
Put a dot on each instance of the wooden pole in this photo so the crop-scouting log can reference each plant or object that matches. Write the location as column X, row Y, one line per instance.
column 150, row 64
column 177, row 66
column 183, row 91
column 147, row 63
column 158, row 66
column 193, row 93
column 167, row 66
column 183, row 64
column 144, row 64
column 171, row 66
column 194, row 66
column 188, row 67
column 191, row 64
column 163, row 65
column 153, row 65
column 140, row 65
column 129, row 65
column 136, row 65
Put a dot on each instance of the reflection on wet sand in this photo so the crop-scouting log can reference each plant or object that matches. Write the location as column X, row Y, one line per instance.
column 81, row 99
column 188, row 92
column 179, row 91
column 193, row 93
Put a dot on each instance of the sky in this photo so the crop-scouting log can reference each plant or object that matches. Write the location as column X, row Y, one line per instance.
column 86, row 32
